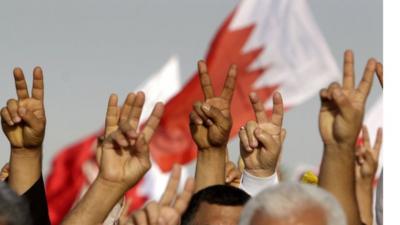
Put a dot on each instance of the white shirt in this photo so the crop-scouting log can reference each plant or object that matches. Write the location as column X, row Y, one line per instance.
column 253, row 185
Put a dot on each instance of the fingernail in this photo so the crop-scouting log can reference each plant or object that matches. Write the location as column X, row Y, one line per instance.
column 253, row 94
column 249, row 149
column 21, row 111
column 11, row 123
column 199, row 121
column 17, row 119
column 206, row 107
column 209, row 122
column 337, row 93
column 132, row 134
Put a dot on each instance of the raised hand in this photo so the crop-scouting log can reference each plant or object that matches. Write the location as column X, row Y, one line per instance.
column 210, row 121
column 261, row 140
column 340, row 120
column 125, row 151
column 124, row 158
column 23, row 119
column 169, row 209
column 342, row 108
column 367, row 157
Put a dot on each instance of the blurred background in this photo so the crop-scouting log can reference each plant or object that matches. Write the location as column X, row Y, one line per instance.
column 89, row 49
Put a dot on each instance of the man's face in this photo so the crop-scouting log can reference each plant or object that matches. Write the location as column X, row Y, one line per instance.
column 309, row 216
column 212, row 214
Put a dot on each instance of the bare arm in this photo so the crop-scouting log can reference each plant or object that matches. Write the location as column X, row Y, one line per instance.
column 124, row 159
column 340, row 120
column 210, row 124
column 366, row 166
column 23, row 122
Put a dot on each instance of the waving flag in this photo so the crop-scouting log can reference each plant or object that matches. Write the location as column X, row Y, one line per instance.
column 276, row 46
column 75, row 168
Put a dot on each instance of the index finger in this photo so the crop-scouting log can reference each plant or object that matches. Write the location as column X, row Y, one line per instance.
column 20, row 84
column 229, row 85
column 112, row 114
column 258, row 108
column 366, row 140
column 172, row 186
column 183, row 199
column 136, row 111
column 205, row 80
column 153, row 121
column 378, row 141
column 365, row 85
column 277, row 110
column 37, row 84
column 348, row 70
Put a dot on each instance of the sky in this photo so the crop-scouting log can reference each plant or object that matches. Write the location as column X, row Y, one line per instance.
column 89, row 49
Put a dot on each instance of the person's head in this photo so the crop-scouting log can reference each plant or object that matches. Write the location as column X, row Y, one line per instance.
column 293, row 203
column 219, row 204
column 13, row 209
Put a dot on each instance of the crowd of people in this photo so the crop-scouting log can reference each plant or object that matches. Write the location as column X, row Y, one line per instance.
column 221, row 192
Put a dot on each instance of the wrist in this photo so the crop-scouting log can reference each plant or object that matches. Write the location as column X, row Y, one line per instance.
column 212, row 151
column 344, row 153
column 27, row 152
column 365, row 183
column 108, row 186
column 340, row 145
column 260, row 172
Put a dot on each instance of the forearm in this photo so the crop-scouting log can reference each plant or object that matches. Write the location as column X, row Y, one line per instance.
column 96, row 204
column 25, row 168
column 210, row 168
column 365, row 195
column 337, row 176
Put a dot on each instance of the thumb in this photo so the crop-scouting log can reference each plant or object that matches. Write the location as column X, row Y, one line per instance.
column 30, row 118
column 215, row 115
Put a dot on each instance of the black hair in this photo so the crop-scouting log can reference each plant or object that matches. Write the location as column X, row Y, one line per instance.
column 217, row 194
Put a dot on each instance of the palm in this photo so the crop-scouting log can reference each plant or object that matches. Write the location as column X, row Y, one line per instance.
column 124, row 157
column 171, row 215
column 122, row 167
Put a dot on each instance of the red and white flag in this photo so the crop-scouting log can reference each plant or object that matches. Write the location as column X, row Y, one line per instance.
column 75, row 167
column 276, row 46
